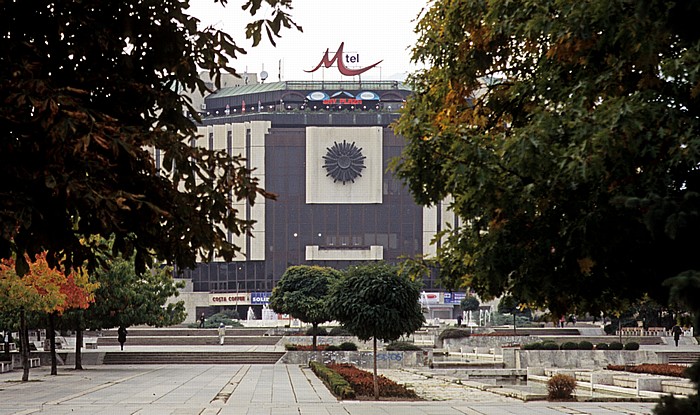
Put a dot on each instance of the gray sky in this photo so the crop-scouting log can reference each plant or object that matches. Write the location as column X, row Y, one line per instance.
column 373, row 30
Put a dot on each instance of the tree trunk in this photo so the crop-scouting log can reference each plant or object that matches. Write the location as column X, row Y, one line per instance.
column 51, row 334
column 515, row 332
column 314, row 327
column 78, row 343
column 376, row 382
column 24, row 343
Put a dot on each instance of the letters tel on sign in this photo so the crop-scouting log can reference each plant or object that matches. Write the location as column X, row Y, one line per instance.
column 338, row 59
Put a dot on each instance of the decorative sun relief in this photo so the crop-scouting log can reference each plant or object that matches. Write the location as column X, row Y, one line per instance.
column 344, row 162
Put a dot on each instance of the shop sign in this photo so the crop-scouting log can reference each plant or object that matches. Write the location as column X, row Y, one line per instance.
column 338, row 59
column 454, row 298
column 260, row 298
column 229, row 299
column 429, row 298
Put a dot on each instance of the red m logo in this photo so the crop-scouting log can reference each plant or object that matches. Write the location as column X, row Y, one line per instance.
column 338, row 57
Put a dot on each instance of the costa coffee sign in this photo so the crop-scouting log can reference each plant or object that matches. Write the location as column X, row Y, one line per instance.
column 229, row 299
column 340, row 59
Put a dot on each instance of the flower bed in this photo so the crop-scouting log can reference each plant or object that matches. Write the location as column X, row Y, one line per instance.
column 363, row 384
column 652, row 369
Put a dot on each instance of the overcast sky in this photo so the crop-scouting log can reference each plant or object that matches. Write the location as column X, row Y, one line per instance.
column 373, row 30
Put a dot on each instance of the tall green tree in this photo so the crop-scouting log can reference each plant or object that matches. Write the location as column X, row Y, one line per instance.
column 88, row 89
column 127, row 297
column 303, row 292
column 568, row 136
column 374, row 301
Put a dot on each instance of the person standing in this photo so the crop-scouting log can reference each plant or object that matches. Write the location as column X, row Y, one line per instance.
column 676, row 331
column 201, row 321
column 459, row 320
column 222, row 333
column 121, row 336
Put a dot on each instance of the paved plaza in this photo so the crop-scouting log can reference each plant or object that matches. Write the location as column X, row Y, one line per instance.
column 251, row 390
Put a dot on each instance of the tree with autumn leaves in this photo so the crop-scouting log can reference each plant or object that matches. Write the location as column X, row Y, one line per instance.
column 42, row 290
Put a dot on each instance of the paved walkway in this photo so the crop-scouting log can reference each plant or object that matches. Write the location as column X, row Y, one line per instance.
column 249, row 390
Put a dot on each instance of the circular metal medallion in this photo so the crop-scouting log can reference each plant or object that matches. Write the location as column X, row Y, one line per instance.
column 344, row 162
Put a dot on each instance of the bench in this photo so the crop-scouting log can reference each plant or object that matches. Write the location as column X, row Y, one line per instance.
column 34, row 362
column 5, row 367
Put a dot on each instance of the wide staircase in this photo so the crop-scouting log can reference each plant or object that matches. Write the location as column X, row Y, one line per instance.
column 189, row 337
column 170, row 338
column 233, row 358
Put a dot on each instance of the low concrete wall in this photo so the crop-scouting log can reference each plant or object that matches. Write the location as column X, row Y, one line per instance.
column 385, row 359
column 576, row 359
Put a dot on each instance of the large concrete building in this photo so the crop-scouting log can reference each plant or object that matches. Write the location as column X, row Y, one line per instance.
column 324, row 149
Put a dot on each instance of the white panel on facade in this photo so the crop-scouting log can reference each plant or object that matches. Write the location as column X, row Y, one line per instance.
column 430, row 227
column 220, row 133
column 238, row 138
column 374, row 253
column 257, row 246
column 323, row 188
column 258, row 131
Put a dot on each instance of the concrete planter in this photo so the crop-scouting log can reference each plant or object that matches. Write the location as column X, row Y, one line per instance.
column 361, row 359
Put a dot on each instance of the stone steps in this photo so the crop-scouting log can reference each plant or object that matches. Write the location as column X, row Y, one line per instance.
column 239, row 358
column 211, row 339
column 187, row 332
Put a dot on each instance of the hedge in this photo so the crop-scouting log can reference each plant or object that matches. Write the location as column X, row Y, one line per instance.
column 336, row 383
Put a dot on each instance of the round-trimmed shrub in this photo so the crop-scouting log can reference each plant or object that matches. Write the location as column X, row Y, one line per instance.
column 602, row 346
column 616, row 346
column 320, row 331
column 585, row 345
column 402, row 347
column 609, row 329
column 532, row 346
column 348, row 346
column 550, row 346
column 454, row 334
column 290, row 347
column 332, row 348
column 560, row 387
column 632, row 346
column 339, row 331
column 568, row 346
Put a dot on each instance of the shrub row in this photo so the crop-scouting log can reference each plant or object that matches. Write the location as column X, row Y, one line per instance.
column 652, row 369
column 362, row 382
column 402, row 347
column 345, row 346
column 322, row 331
column 584, row 345
column 333, row 380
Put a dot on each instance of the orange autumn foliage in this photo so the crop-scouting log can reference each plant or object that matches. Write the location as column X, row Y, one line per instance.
column 43, row 289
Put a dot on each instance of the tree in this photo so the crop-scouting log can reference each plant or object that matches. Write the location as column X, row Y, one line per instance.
column 303, row 292
column 89, row 89
column 567, row 135
column 375, row 302
column 43, row 290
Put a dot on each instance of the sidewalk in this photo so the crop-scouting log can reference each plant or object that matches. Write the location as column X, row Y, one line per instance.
column 246, row 389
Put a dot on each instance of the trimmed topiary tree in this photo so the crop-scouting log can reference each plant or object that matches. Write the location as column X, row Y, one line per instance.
column 374, row 302
column 302, row 292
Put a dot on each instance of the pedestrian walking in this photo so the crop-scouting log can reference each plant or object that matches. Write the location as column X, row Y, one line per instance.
column 201, row 321
column 459, row 320
column 222, row 333
column 121, row 336
column 676, row 331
